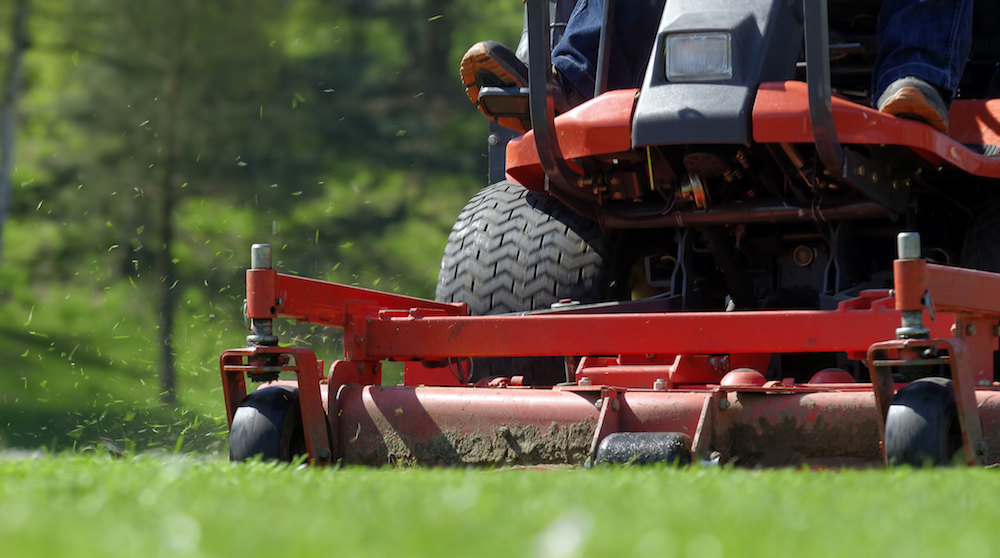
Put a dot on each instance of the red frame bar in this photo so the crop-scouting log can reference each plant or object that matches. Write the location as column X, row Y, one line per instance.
column 277, row 295
column 388, row 337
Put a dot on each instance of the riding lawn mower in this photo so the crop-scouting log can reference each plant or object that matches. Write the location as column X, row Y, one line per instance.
column 739, row 262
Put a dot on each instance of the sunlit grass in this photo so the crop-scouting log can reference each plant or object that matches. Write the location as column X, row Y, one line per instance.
column 177, row 506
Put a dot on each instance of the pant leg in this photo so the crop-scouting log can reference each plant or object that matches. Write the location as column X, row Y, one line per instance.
column 928, row 39
column 575, row 55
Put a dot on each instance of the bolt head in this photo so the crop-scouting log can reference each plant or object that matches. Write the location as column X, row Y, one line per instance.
column 324, row 454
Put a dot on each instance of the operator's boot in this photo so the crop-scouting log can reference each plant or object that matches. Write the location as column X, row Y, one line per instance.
column 915, row 99
column 491, row 64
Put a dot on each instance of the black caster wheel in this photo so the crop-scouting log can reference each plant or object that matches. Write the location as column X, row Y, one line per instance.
column 268, row 423
column 922, row 427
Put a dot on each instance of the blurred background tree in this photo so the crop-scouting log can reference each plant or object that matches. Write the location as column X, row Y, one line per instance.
column 157, row 140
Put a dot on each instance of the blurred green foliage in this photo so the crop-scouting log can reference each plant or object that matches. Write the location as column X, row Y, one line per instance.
column 336, row 130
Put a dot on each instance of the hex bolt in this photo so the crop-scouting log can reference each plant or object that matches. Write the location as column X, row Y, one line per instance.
column 324, row 454
column 970, row 329
column 584, row 381
column 724, row 404
column 860, row 170
column 492, row 139
column 614, row 405
column 599, row 403
column 660, row 385
column 984, row 383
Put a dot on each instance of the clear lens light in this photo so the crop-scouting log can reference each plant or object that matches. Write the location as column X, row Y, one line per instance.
column 699, row 56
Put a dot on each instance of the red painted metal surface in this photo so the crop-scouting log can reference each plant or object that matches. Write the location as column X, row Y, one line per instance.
column 781, row 115
column 965, row 291
column 600, row 126
column 393, row 337
column 660, row 372
column 603, row 126
column 453, row 426
column 276, row 295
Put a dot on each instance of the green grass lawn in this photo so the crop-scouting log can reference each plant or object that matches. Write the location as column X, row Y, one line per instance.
column 179, row 506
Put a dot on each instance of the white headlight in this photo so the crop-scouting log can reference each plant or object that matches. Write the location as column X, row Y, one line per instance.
column 699, row 56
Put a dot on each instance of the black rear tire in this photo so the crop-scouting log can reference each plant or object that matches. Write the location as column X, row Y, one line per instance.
column 512, row 250
column 922, row 427
column 268, row 423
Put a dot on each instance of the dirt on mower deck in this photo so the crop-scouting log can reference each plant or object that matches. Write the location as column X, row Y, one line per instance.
column 500, row 446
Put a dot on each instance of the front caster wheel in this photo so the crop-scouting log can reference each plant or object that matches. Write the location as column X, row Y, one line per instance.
column 922, row 427
column 268, row 423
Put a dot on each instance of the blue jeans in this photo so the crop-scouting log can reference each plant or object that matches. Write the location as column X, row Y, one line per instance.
column 575, row 55
column 929, row 39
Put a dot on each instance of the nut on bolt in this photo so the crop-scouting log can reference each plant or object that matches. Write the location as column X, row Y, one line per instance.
column 724, row 404
column 324, row 454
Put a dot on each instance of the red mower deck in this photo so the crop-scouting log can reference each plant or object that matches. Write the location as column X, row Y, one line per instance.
column 696, row 374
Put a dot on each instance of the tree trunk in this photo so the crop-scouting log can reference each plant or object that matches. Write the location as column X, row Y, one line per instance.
column 165, row 260
column 8, row 111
